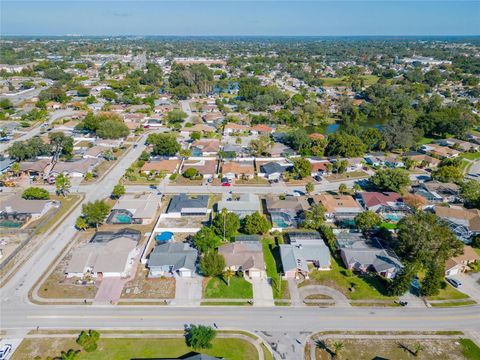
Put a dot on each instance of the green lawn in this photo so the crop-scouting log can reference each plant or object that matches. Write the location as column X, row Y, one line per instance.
column 279, row 292
column 470, row 350
column 388, row 226
column 217, row 288
column 470, row 156
column 121, row 349
column 67, row 203
column 364, row 287
column 448, row 293
column 425, row 140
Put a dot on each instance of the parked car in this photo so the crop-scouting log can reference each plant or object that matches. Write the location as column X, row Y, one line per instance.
column 5, row 351
column 226, row 184
column 454, row 282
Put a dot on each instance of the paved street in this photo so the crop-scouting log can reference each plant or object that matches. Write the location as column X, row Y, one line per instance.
column 36, row 130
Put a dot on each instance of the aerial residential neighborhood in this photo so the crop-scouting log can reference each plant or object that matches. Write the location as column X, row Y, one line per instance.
column 239, row 197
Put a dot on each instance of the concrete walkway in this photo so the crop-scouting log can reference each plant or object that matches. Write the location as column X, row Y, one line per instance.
column 188, row 291
column 294, row 292
column 262, row 293
column 340, row 299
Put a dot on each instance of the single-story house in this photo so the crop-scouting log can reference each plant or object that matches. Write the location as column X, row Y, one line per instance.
column 244, row 256
column 35, row 168
column 107, row 254
column 261, row 129
column 305, row 248
column 319, row 167
column 134, row 209
column 16, row 205
column 205, row 147
column 459, row 264
column 435, row 191
column 460, row 144
column 188, row 205
column 274, row 170
column 465, row 223
column 363, row 255
column 95, row 152
column 201, row 128
column 208, row 168
column 338, row 206
column 442, row 152
column 287, row 212
column 238, row 170
column 388, row 205
column 169, row 167
column 240, row 204
column 213, row 117
column 423, row 160
column 279, row 150
column 77, row 168
column 233, row 128
column 172, row 259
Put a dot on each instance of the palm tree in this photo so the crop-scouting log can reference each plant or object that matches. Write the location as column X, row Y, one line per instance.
column 69, row 355
column 228, row 274
column 417, row 348
column 62, row 183
column 337, row 348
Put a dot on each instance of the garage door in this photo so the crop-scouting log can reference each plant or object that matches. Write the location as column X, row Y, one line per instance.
column 254, row 274
column 185, row 273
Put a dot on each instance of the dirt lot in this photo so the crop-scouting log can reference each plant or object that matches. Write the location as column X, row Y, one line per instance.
column 367, row 349
column 9, row 242
column 184, row 222
column 141, row 287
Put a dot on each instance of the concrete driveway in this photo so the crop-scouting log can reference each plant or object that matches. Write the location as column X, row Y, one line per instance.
column 109, row 291
column 470, row 284
column 340, row 299
column 262, row 293
column 188, row 291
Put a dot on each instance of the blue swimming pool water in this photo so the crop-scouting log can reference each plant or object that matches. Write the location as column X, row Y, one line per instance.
column 123, row 219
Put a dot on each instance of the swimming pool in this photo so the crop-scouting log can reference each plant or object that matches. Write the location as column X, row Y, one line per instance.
column 393, row 217
column 281, row 220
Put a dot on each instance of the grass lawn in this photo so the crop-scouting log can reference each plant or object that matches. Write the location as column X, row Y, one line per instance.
column 477, row 250
column 272, row 271
column 470, row 156
column 121, row 349
column 217, row 288
column 388, row 226
column 359, row 174
column 454, row 303
column 448, row 293
column 363, row 349
column 364, row 287
column 470, row 349
column 425, row 140
column 257, row 181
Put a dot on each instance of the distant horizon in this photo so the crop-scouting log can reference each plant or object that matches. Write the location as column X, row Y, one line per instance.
column 204, row 18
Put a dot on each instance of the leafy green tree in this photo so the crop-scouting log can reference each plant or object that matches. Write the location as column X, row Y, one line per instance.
column 81, row 223
column 256, row 224
column 390, row 180
column 164, row 144
column 35, row 193
column 314, row 218
column 342, row 188
column 118, row 190
column 433, row 279
column 367, row 220
column 200, row 336
column 302, row 168
column 309, row 188
column 83, row 91
column 206, row 240
column 112, row 129
column 15, row 169
column 29, row 149
column 62, row 184
column 95, row 212
column 226, row 224
column 88, row 340
column 345, row 145
column 6, row 104
column 470, row 192
column 61, row 143
column 212, row 264
column 448, row 174
column 190, row 173
column 176, row 116
column 337, row 348
column 195, row 135
column 402, row 281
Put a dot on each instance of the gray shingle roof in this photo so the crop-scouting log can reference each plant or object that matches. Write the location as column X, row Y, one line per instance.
column 297, row 256
column 183, row 201
column 177, row 255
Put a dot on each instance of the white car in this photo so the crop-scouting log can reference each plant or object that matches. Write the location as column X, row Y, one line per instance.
column 5, row 351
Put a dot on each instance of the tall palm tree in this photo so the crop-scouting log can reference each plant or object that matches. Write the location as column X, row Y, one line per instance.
column 337, row 348
column 228, row 274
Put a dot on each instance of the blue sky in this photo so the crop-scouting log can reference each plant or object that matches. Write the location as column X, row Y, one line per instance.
column 229, row 17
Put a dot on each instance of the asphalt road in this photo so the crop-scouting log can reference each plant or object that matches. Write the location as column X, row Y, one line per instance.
column 36, row 130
